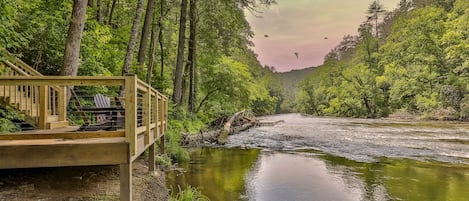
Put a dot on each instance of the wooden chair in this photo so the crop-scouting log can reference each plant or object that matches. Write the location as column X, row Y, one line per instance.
column 108, row 117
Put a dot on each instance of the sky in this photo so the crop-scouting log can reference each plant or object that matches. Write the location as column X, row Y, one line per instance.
column 309, row 27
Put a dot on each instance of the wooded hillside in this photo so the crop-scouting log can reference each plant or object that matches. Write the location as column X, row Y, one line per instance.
column 414, row 60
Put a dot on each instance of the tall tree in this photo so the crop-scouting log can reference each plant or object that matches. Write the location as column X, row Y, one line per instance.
column 375, row 9
column 151, row 59
column 111, row 12
column 146, row 31
column 98, row 11
column 75, row 32
column 160, row 37
column 178, row 75
column 191, row 58
column 133, row 38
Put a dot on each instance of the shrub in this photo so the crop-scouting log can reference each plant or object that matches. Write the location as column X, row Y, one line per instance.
column 190, row 194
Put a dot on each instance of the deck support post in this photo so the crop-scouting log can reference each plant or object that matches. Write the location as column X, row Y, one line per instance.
column 151, row 159
column 162, row 139
column 125, row 181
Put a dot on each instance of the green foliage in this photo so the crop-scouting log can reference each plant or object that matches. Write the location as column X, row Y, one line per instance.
column 189, row 194
column 420, row 67
column 7, row 115
column 164, row 161
column 9, row 38
column 173, row 147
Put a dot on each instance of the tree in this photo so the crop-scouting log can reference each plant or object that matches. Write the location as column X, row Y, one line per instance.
column 178, row 73
column 98, row 11
column 375, row 9
column 133, row 38
column 147, row 24
column 111, row 12
column 75, row 32
column 191, row 58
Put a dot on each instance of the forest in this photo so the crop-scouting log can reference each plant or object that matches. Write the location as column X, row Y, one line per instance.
column 413, row 60
column 196, row 52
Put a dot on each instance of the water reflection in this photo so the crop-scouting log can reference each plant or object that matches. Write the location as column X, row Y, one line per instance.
column 406, row 179
column 237, row 174
column 218, row 173
column 283, row 176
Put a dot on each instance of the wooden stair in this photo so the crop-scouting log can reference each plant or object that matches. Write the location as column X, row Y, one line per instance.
column 26, row 99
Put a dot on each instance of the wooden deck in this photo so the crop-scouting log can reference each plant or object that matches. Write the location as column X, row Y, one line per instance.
column 66, row 146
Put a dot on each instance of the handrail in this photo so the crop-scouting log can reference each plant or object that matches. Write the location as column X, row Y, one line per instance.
column 23, row 66
column 55, row 104
column 139, row 96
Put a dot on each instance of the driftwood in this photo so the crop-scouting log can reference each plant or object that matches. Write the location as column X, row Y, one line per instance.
column 227, row 128
column 238, row 122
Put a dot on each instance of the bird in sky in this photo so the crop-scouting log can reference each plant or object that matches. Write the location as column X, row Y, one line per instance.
column 296, row 54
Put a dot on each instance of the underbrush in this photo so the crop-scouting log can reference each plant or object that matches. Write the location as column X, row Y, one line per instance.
column 190, row 194
column 181, row 122
column 7, row 116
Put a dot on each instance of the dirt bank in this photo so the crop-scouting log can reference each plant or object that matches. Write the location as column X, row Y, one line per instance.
column 79, row 183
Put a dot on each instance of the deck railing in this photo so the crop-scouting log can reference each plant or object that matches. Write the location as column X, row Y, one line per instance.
column 145, row 108
column 26, row 98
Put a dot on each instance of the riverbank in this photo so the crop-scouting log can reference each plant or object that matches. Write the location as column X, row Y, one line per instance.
column 80, row 183
column 335, row 159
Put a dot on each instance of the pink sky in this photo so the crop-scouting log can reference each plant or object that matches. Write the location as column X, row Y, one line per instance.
column 301, row 26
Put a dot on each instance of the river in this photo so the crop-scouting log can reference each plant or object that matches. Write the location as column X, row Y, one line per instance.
column 315, row 158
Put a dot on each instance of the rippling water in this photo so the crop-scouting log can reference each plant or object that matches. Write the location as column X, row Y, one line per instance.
column 309, row 158
column 362, row 139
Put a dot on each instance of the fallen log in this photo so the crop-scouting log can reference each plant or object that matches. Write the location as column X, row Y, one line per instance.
column 238, row 122
column 226, row 130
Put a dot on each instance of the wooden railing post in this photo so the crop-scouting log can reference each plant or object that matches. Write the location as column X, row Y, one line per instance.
column 161, row 115
column 43, row 106
column 147, row 114
column 156, row 120
column 165, row 115
column 130, row 88
column 62, row 103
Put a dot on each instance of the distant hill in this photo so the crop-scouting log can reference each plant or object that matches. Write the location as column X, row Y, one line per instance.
column 290, row 81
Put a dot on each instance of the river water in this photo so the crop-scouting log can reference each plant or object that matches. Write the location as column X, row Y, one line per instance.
column 311, row 158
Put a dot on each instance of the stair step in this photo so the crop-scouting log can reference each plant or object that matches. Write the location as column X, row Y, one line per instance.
column 24, row 126
column 57, row 124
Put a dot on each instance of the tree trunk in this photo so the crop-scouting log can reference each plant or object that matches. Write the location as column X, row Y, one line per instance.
column 184, row 84
column 98, row 11
column 75, row 32
column 113, row 6
column 151, row 62
column 191, row 58
column 133, row 38
column 160, row 41
column 73, row 42
column 105, row 13
column 146, row 31
column 178, row 75
column 160, row 38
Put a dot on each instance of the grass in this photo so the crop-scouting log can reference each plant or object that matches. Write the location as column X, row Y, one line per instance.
column 190, row 194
